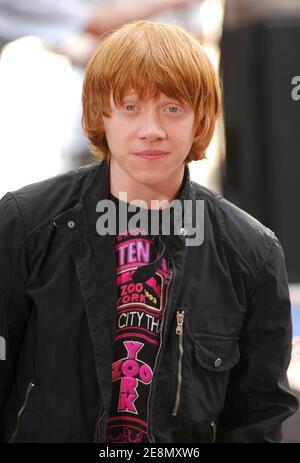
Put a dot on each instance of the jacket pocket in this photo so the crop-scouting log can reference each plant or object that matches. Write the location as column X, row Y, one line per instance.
column 213, row 358
column 216, row 353
column 28, row 416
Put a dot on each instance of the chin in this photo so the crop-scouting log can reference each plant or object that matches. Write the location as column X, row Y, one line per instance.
column 149, row 178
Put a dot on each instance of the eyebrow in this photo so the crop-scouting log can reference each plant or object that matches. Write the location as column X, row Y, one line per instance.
column 130, row 95
column 165, row 99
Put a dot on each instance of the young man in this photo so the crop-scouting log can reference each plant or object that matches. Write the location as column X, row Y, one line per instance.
column 135, row 336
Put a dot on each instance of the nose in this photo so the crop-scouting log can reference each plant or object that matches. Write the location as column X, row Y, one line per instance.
column 151, row 127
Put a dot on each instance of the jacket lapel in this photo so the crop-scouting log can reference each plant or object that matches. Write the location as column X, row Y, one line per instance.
column 94, row 259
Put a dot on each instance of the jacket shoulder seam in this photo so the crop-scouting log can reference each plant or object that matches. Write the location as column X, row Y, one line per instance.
column 261, row 268
column 50, row 217
column 21, row 215
column 236, row 251
column 226, row 237
column 15, row 267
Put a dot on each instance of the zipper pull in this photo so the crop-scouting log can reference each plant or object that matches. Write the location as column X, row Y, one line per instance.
column 28, row 392
column 214, row 430
column 180, row 320
column 179, row 331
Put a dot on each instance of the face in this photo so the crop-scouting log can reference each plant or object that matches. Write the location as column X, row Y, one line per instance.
column 149, row 141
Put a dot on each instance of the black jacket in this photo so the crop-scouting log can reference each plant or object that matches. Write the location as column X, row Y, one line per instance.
column 58, row 316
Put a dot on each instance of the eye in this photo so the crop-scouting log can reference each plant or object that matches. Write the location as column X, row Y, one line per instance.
column 173, row 109
column 130, row 107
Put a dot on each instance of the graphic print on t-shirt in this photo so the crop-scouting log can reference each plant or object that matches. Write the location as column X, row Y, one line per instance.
column 140, row 308
column 129, row 371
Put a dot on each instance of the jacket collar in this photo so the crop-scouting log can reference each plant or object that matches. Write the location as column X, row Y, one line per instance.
column 82, row 217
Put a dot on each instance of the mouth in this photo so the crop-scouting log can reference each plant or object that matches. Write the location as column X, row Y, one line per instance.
column 151, row 155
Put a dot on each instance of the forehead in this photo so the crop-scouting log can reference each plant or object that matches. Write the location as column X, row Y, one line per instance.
column 138, row 95
column 159, row 96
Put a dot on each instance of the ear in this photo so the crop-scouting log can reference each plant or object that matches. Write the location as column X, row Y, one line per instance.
column 103, row 123
column 200, row 126
column 198, row 130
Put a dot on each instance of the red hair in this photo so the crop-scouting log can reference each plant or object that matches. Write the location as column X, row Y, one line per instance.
column 151, row 58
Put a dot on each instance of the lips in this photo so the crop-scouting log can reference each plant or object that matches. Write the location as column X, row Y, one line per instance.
column 147, row 154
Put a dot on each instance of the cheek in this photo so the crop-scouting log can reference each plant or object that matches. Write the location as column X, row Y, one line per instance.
column 115, row 133
column 185, row 136
column 184, row 130
column 118, row 128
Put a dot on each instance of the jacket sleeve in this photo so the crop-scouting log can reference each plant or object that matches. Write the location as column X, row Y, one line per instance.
column 258, row 397
column 14, row 304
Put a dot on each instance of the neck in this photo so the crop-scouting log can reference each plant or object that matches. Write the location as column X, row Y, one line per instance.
column 167, row 190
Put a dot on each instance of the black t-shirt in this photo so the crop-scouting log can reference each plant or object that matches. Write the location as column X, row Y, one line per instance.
column 140, row 308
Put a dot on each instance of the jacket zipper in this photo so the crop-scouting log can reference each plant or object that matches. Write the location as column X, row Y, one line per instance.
column 99, row 419
column 157, row 356
column 28, row 392
column 214, row 430
column 179, row 332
